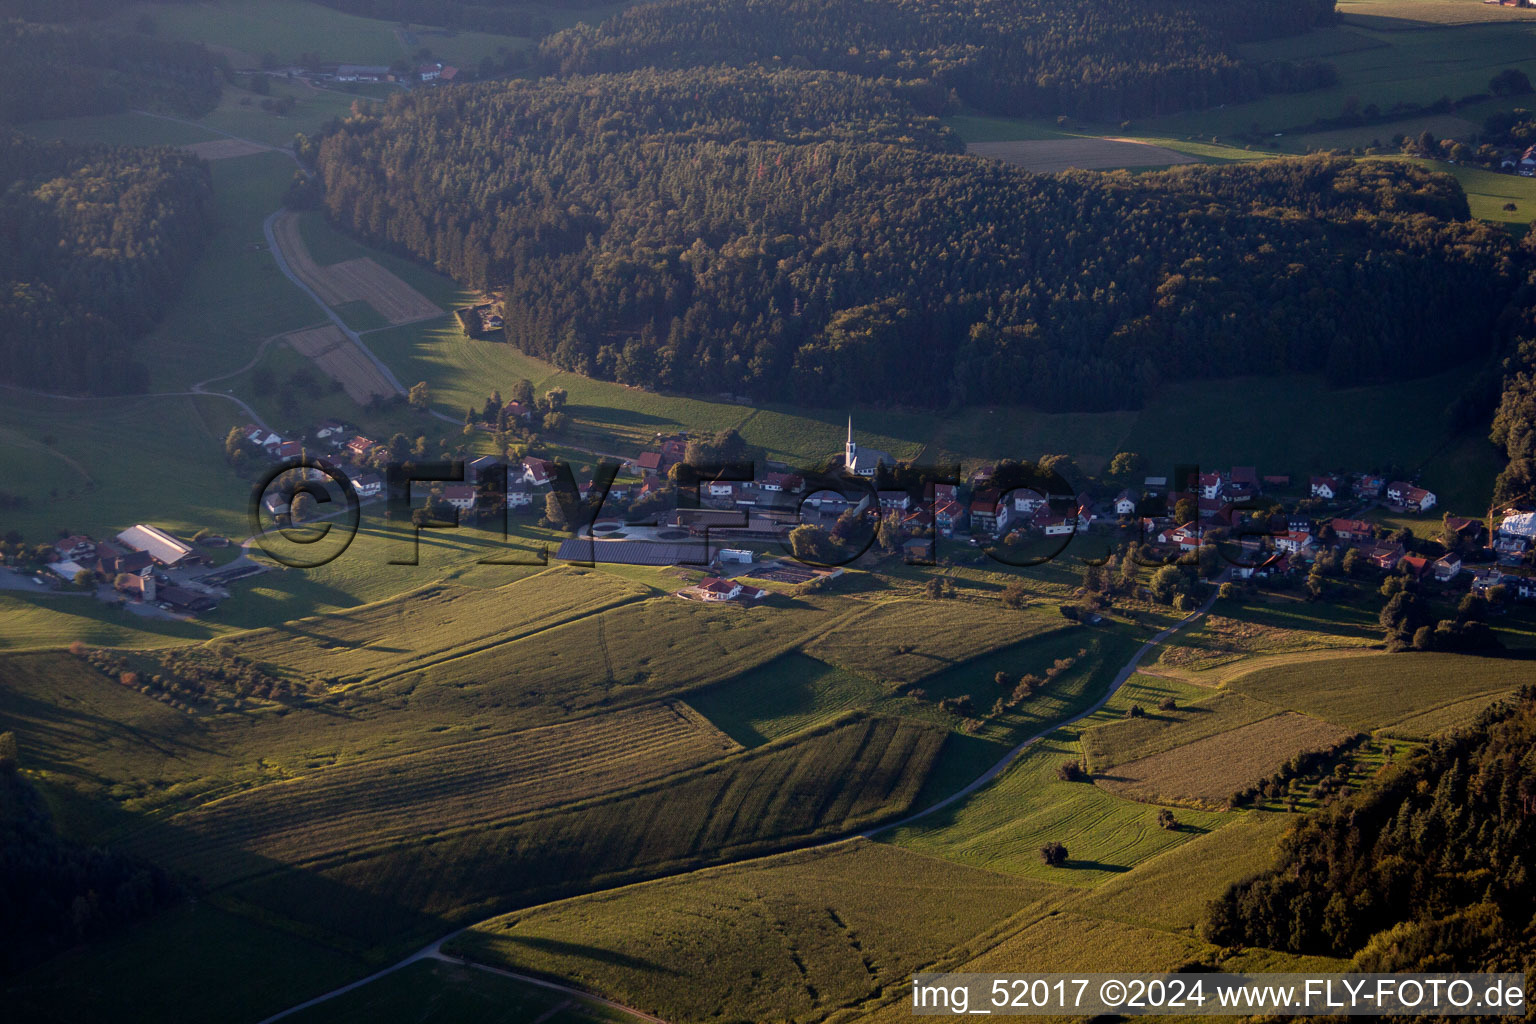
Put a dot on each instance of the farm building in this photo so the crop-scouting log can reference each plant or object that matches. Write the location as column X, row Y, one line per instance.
column 156, row 543
column 1325, row 487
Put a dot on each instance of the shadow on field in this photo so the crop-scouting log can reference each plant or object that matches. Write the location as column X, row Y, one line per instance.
column 557, row 947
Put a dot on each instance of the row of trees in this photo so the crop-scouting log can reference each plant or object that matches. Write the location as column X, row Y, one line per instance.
column 99, row 240
column 808, row 237
column 1086, row 58
column 1428, row 868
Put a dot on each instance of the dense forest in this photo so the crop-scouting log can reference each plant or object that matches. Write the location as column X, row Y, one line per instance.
column 808, row 236
column 99, row 241
column 55, row 894
column 49, row 71
column 1514, row 421
column 1092, row 59
column 1428, row 870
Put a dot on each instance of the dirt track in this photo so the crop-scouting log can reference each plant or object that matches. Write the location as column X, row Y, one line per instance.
column 1051, row 156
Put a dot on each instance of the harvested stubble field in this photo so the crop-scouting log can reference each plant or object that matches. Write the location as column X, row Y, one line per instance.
column 908, row 640
column 436, row 622
column 839, row 779
column 1219, row 640
column 1052, row 156
column 351, row 280
column 342, row 361
column 790, row 937
column 365, row 802
column 1206, row 772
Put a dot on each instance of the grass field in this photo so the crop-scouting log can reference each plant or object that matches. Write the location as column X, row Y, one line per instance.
column 784, row 696
column 1170, row 891
column 787, row 938
column 119, row 130
column 1411, row 14
column 345, row 807
column 436, row 623
column 434, row 992
column 839, row 779
column 286, row 29
column 1373, row 692
column 910, row 640
column 1488, row 192
column 1118, row 742
column 1219, row 640
column 1051, row 156
column 1207, row 771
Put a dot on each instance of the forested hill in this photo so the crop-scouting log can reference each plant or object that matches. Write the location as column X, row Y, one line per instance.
column 1094, row 59
column 49, row 71
column 99, row 240
column 1430, row 870
column 754, row 232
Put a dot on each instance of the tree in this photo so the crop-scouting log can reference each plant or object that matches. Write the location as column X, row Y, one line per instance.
column 1071, row 771
column 420, row 397
column 1168, row 704
column 1001, row 679
column 1186, row 510
column 84, row 578
column 554, row 399
column 1510, row 82
column 555, row 510
column 1166, row 820
column 1125, row 465
column 810, row 543
column 1053, row 854
column 1015, row 596
column 1168, row 583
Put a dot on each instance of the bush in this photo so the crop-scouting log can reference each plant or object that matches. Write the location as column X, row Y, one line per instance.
column 1167, row 704
column 1166, row 820
column 1071, row 771
column 1053, row 854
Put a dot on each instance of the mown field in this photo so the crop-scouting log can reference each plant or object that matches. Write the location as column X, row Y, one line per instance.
column 784, row 696
column 908, row 641
column 786, row 938
column 392, row 798
column 1374, row 692
column 1205, row 772
column 844, row 777
column 1129, row 739
column 435, row 623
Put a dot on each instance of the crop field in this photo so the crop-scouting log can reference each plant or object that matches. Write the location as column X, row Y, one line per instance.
column 1129, row 739
column 363, row 803
column 842, row 778
column 1003, row 825
column 36, row 622
column 436, row 992
column 1052, row 156
column 906, row 641
column 354, row 280
column 786, row 938
column 128, row 129
column 642, row 650
column 1370, row 693
column 1207, row 771
column 1170, row 891
column 439, row 621
column 342, row 361
column 784, row 696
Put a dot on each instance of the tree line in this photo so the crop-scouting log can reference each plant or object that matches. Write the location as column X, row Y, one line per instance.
column 809, row 236
column 1092, row 59
column 99, row 239
column 1426, row 868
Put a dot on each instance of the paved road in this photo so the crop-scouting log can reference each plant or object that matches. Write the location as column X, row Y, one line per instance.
column 434, row 951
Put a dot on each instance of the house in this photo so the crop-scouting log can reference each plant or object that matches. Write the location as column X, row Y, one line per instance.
column 863, row 461
column 448, row 74
column 894, row 501
column 1369, row 485
column 75, row 547
column 1155, row 483
column 538, row 472
column 460, row 496
column 1215, row 508
column 139, row 584
column 519, row 494
column 1211, row 485
column 1325, row 487
column 1528, row 162
column 66, row 569
column 184, row 600
column 649, row 462
column 779, row 482
column 369, row 485
column 988, row 513
column 1125, row 504
column 485, row 465
column 947, row 515
column 111, row 560
column 1469, row 530
column 430, row 72
column 360, row 447
column 277, row 504
column 517, row 411
column 362, row 73
column 1385, row 556
column 1185, row 537
column 262, row 438
column 1408, row 496
column 944, row 492
column 156, row 543
column 1415, row 564
column 290, row 450
column 1027, row 502
column 1515, row 534
column 328, row 429
column 1056, row 526
column 716, row 589
column 736, row 556
column 1298, row 524
column 1293, row 543
column 1447, row 567
column 674, row 449
column 1352, row 529
column 720, row 490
